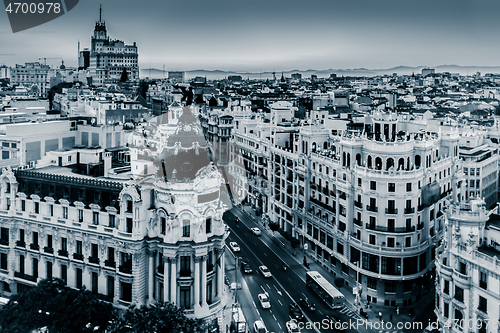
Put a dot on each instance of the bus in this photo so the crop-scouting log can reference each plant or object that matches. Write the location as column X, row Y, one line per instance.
column 238, row 322
column 331, row 295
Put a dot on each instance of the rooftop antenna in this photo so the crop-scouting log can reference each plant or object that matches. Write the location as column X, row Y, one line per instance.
column 100, row 12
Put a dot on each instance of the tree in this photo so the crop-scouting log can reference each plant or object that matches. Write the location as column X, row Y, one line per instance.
column 160, row 318
column 53, row 305
column 124, row 77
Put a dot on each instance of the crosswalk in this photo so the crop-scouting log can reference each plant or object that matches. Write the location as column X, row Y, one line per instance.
column 348, row 312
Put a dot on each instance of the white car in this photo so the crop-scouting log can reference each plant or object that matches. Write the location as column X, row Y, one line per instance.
column 234, row 246
column 259, row 327
column 292, row 327
column 256, row 231
column 265, row 271
column 264, row 301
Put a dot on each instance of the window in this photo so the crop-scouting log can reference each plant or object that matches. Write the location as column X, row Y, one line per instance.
column 185, row 268
column 95, row 218
column 79, row 277
column 483, row 305
column 64, row 244
column 186, row 228
column 390, row 286
column 359, row 182
column 372, row 239
column 185, row 297
column 373, row 185
column 65, row 212
column 80, row 215
column 446, row 287
column 23, row 205
column 4, row 236
column 49, row 270
column 95, row 283
column 112, row 219
column 340, row 248
column 459, row 294
column 49, row 241
column 372, row 283
column 390, row 241
column 64, row 273
column 163, row 225
column 391, row 225
column 129, row 225
column 129, row 206
column 37, row 207
column 408, row 241
column 126, row 291
column 392, row 187
column 208, row 225
column 408, row 187
column 35, row 238
column 446, row 309
column 483, row 278
column 111, row 286
column 3, row 261
column 21, row 235
column 51, row 210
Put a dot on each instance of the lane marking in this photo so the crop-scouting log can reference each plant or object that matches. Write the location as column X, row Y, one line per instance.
column 304, row 295
column 289, row 279
column 263, row 289
column 279, row 325
column 264, row 254
column 321, row 313
column 275, row 318
column 280, row 302
column 268, row 286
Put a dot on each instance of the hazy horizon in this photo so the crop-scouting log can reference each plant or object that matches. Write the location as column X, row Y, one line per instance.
column 272, row 35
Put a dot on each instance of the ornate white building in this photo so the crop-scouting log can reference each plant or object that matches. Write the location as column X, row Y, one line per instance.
column 156, row 237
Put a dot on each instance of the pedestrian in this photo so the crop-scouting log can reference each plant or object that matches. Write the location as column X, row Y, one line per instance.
column 380, row 316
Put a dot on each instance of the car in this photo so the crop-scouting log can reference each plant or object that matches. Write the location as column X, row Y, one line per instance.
column 292, row 327
column 246, row 268
column 234, row 247
column 259, row 327
column 265, row 271
column 307, row 305
column 295, row 312
column 255, row 231
column 264, row 301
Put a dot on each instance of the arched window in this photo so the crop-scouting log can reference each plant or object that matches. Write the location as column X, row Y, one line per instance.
column 458, row 317
column 348, row 160
column 408, row 163
column 325, row 145
column 417, row 161
column 389, row 163
column 358, row 159
column 314, row 146
column 378, row 163
column 401, row 164
column 369, row 164
column 343, row 159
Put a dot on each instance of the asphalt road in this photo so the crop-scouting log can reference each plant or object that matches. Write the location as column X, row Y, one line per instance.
column 283, row 288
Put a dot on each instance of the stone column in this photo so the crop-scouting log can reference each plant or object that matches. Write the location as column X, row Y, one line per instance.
column 204, row 281
column 196, row 285
column 173, row 280
column 220, row 275
column 151, row 275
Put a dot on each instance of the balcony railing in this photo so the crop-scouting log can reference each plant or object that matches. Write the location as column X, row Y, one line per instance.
column 420, row 208
column 25, row 276
column 20, row 244
column 126, row 269
column 63, row 253
column 391, row 210
column 371, row 208
column 35, row 247
column 109, row 263
column 94, row 260
column 409, row 210
column 390, row 229
column 185, row 272
column 358, row 222
column 4, row 241
column 77, row 256
column 358, row 204
column 47, row 249
column 420, row 226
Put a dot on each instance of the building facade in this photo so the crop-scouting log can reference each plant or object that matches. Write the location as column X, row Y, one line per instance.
column 467, row 270
column 32, row 75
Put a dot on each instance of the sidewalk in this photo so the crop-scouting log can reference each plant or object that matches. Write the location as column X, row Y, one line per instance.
column 373, row 310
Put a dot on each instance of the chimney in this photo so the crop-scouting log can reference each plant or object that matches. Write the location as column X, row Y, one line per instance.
column 107, row 163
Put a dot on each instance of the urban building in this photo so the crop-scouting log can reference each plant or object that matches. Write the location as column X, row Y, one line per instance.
column 427, row 71
column 32, row 75
column 109, row 58
column 176, row 76
column 467, row 266
column 156, row 236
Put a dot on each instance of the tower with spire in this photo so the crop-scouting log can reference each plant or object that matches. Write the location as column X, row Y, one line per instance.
column 100, row 32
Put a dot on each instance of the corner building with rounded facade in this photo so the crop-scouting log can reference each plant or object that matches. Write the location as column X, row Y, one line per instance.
column 158, row 237
column 369, row 203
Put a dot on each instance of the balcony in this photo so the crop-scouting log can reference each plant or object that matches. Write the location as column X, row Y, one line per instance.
column 420, row 226
column 62, row 253
column 420, row 208
column 126, row 269
column 20, row 244
column 358, row 222
column 4, row 241
column 94, row 260
column 78, row 256
column 371, row 208
column 409, row 210
column 35, row 247
column 47, row 249
column 391, row 210
column 25, row 276
column 358, row 204
column 110, row 263
column 185, row 273
column 390, row 229
column 210, row 268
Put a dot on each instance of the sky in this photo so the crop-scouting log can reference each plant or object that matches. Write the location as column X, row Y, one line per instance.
column 267, row 35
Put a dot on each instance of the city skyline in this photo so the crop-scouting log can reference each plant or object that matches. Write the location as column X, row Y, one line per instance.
column 263, row 36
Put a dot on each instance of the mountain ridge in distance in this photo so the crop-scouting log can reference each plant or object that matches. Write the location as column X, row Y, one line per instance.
column 218, row 74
